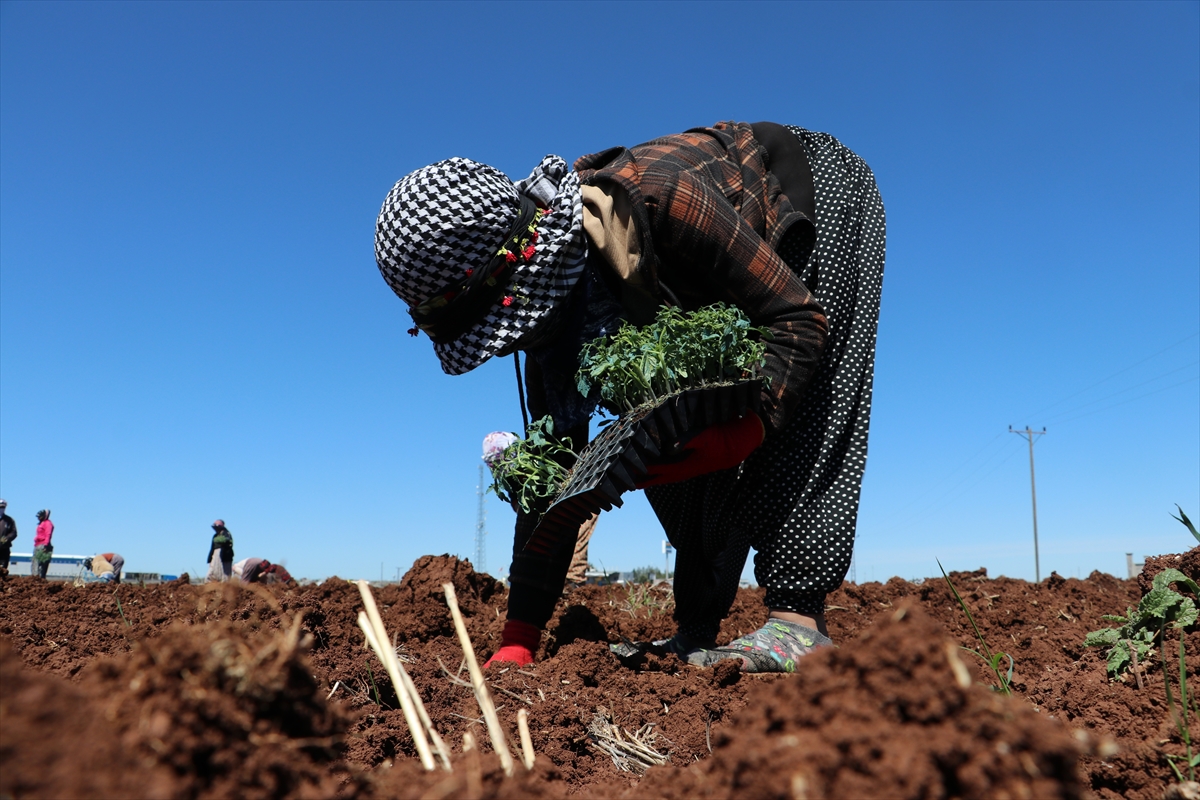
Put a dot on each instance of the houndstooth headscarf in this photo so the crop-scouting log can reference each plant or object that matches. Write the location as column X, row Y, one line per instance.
column 453, row 216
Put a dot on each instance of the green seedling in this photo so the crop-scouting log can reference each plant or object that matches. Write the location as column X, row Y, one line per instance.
column 374, row 688
column 120, row 610
column 985, row 654
column 1184, row 519
column 1187, row 702
column 635, row 366
column 1141, row 628
column 1161, row 608
column 532, row 470
column 1146, row 626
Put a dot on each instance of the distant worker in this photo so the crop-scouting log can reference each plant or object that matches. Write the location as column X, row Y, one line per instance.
column 247, row 569
column 43, row 551
column 106, row 566
column 273, row 573
column 8, row 532
column 259, row 570
column 220, row 554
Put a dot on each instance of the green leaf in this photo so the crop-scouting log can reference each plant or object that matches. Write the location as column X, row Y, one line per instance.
column 1157, row 603
column 1118, row 657
column 1106, row 636
column 1168, row 576
column 1187, row 614
column 1184, row 519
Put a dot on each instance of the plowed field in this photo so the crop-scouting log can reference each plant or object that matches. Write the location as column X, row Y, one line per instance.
column 218, row 691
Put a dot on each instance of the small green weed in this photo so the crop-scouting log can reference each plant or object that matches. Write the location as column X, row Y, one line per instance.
column 1184, row 519
column 644, row 599
column 1142, row 628
column 533, row 470
column 120, row 610
column 634, row 366
column 1187, row 703
column 1133, row 644
column 993, row 660
column 374, row 688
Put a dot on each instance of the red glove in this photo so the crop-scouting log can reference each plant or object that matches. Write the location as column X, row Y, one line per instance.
column 715, row 448
column 517, row 644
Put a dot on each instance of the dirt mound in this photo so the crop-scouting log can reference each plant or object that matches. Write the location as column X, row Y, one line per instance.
column 892, row 714
column 230, row 715
column 54, row 743
column 421, row 601
column 1188, row 563
column 198, row 711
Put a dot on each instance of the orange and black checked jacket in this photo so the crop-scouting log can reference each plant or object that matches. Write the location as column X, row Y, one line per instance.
column 712, row 221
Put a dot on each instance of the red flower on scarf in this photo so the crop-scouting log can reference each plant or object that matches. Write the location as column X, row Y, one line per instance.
column 527, row 253
column 508, row 301
column 510, row 256
column 470, row 272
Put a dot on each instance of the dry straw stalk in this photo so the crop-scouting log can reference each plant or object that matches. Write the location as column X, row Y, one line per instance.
column 495, row 732
column 410, row 702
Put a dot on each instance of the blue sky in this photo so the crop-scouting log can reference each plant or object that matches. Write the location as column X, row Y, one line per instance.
column 192, row 324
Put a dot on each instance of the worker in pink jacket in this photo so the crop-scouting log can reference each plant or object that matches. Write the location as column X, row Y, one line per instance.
column 43, row 551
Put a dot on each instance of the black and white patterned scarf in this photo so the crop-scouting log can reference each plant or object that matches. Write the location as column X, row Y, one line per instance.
column 442, row 220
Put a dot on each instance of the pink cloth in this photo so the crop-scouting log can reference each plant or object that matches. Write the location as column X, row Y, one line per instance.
column 45, row 530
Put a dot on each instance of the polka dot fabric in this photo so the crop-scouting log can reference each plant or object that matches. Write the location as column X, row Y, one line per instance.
column 795, row 500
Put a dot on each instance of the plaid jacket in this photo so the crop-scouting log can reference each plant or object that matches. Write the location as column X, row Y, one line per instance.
column 713, row 223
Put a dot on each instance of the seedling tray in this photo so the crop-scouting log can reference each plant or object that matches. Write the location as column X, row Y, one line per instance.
column 616, row 459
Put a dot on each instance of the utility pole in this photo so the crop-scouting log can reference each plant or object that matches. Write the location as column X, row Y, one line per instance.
column 480, row 531
column 1029, row 434
column 667, row 550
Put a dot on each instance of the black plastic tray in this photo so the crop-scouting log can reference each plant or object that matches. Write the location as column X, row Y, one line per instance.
column 616, row 459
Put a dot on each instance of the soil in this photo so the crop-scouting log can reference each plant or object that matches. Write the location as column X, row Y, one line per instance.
column 182, row 691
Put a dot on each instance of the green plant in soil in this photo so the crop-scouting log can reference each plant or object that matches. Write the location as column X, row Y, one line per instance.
column 531, row 471
column 1183, row 518
column 644, row 599
column 1141, row 629
column 1133, row 644
column 711, row 345
column 120, row 610
column 993, row 660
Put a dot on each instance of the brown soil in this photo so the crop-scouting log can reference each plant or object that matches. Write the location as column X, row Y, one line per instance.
column 198, row 691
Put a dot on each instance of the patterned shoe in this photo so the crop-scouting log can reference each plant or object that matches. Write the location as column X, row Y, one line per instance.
column 775, row 647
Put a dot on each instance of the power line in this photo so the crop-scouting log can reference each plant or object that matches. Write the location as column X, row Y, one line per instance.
column 1130, row 400
column 1115, row 374
column 955, row 489
column 1160, row 376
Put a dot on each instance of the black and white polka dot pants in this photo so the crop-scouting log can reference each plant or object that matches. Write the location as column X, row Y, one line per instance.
column 795, row 500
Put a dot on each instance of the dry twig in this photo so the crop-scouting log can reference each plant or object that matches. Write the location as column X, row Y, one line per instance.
column 630, row 752
column 410, row 701
column 495, row 732
column 526, row 740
